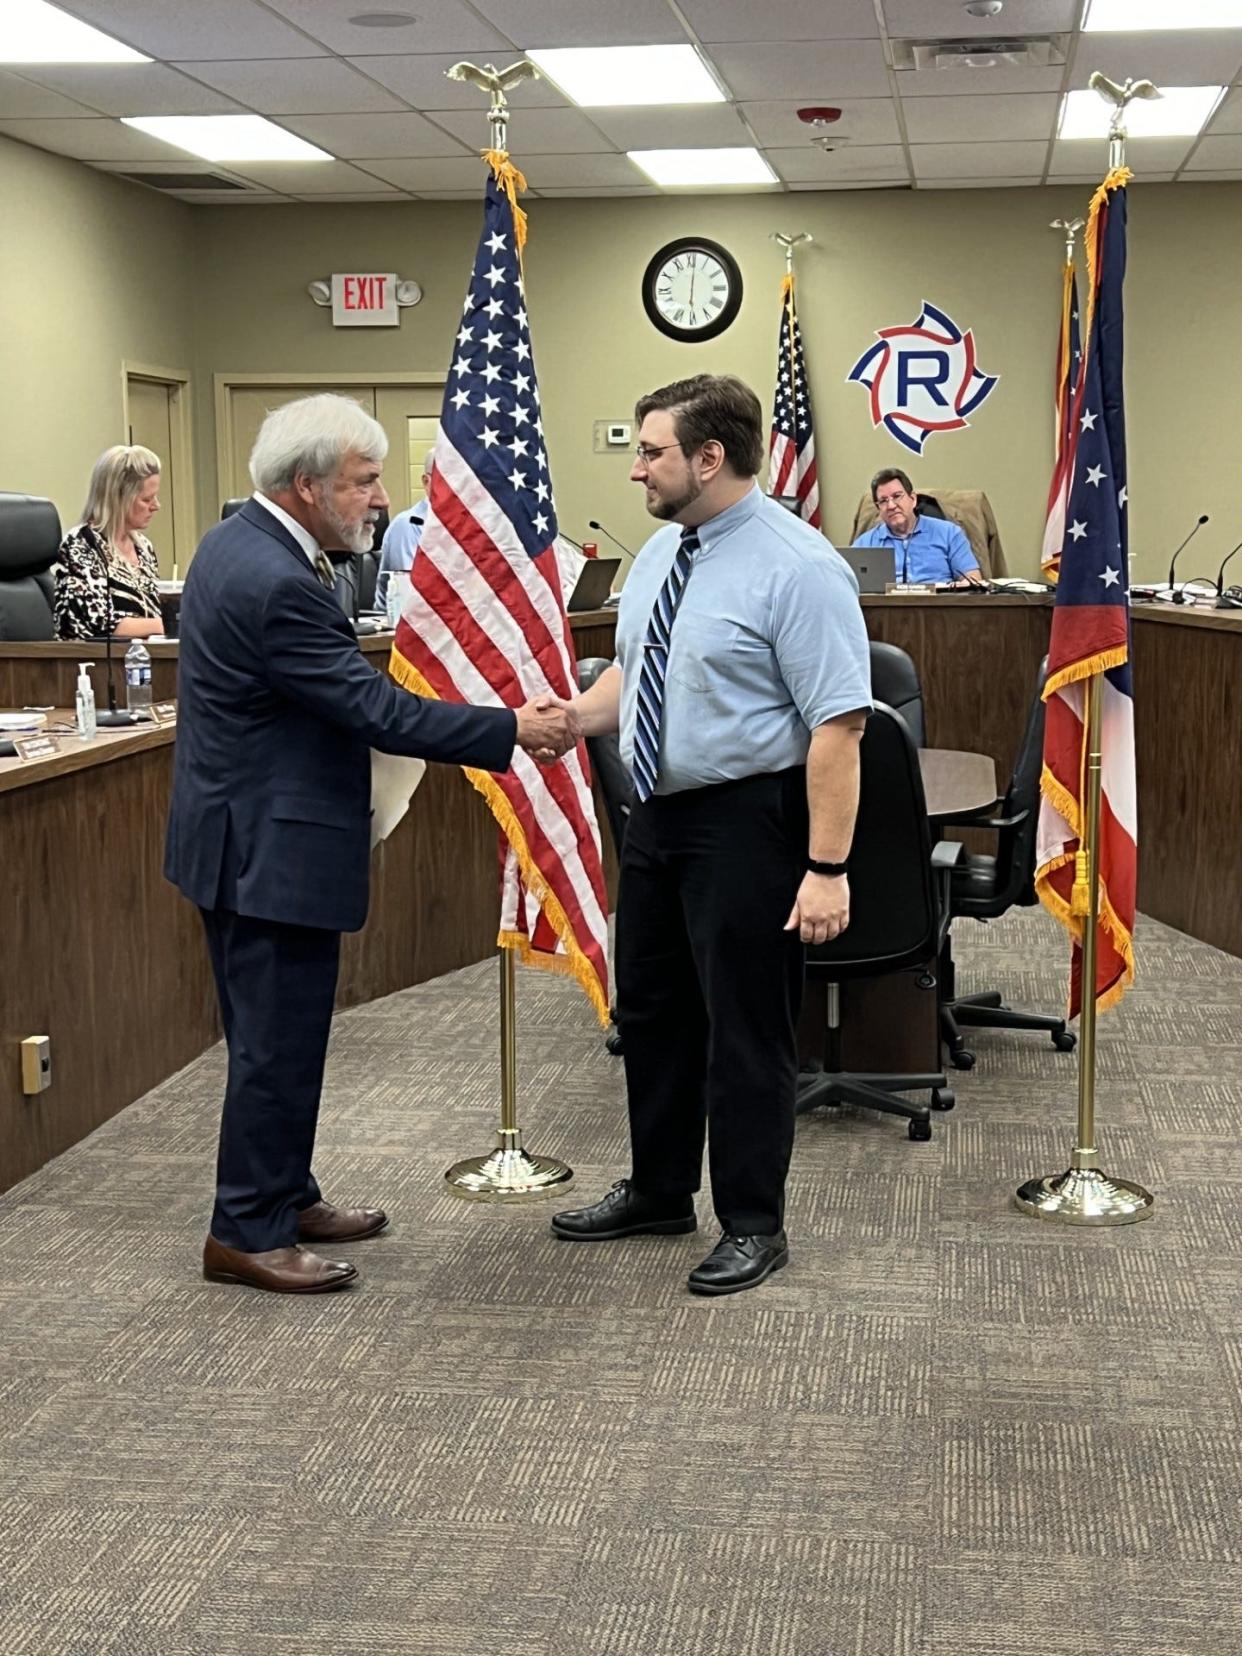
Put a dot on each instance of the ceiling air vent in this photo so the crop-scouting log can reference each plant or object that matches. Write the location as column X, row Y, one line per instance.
column 182, row 181
column 1030, row 52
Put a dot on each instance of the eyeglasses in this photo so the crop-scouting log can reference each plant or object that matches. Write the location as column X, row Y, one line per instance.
column 647, row 452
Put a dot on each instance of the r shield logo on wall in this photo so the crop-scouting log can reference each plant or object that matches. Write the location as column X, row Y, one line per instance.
column 922, row 378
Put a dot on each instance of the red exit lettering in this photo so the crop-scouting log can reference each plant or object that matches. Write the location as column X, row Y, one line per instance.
column 365, row 292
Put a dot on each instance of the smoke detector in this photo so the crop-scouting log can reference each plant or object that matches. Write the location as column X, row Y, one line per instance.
column 823, row 117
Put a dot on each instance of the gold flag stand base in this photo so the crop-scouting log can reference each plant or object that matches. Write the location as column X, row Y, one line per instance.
column 1085, row 1196
column 509, row 1174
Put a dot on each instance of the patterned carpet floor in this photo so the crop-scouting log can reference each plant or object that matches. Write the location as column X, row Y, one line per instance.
column 945, row 1430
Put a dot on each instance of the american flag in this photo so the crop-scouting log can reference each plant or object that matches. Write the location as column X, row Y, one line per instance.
column 1069, row 364
column 791, row 451
column 1090, row 635
column 485, row 621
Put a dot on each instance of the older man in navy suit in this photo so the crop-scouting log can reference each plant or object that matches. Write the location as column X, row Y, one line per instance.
column 269, row 830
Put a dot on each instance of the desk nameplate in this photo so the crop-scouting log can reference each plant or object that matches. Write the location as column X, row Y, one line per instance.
column 42, row 746
column 164, row 713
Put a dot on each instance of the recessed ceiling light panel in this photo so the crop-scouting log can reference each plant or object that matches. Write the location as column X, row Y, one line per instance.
column 31, row 31
column 228, row 137
column 1136, row 16
column 1179, row 112
column 703, row 166
column 601, row 77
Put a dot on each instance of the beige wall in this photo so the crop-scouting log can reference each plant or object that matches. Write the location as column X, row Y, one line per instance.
column 987, row 256
column 92, row 272
column 102, row 271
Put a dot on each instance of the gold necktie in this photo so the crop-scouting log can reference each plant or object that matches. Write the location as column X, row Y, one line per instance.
column 324, row 570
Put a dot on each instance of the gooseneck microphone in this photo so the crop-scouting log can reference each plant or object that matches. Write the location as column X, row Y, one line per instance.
column 1221, row 601
column 1180, row 597
column 115, row 716
column 593, row 524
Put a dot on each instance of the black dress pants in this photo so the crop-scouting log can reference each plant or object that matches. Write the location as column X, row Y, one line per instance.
column 277, row 985
column 709, row 988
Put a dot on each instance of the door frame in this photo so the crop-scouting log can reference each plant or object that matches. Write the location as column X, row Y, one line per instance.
column 225, row 383
column 181, row 460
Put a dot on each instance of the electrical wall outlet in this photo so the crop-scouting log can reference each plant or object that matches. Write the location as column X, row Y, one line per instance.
column 36, row 1063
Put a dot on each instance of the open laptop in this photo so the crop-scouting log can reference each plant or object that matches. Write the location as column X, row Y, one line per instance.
column 593, row 585
column 875, row 567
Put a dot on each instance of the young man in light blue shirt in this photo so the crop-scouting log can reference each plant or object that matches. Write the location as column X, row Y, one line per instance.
column 925, row 549
column 740, row 690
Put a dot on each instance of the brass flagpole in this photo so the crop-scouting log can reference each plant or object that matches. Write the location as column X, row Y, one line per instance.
column 509, row 1173
column 1083, row 1195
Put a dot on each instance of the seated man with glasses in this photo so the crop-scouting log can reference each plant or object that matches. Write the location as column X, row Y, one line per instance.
column 925, row 548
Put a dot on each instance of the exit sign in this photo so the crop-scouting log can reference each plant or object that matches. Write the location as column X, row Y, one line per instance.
column 361, row 301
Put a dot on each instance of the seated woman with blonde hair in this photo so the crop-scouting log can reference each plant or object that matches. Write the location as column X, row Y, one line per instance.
column 107, row 569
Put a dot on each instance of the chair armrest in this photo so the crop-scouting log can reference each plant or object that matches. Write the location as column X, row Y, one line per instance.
column 946, row 854
column 995, row 823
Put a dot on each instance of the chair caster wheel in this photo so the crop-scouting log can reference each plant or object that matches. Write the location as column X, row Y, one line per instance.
column 943, row 1098
column 612, row 1043
column 919, row 1129
column 961, row 1059
column 1065, row 1040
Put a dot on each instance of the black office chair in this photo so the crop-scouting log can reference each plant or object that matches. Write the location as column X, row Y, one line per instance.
column 895, row 682
column 231, row 506
column 29, row 542
column 899, row 915
column 617, row 787
column 985, row 887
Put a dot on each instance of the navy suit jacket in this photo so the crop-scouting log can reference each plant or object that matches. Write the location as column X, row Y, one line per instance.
column 277, row 713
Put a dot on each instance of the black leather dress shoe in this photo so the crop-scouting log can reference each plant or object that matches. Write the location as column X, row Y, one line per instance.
column 624, row 1212
column 738, row 1262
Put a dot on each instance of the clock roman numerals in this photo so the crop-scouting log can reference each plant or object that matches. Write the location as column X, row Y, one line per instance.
column 692, row 290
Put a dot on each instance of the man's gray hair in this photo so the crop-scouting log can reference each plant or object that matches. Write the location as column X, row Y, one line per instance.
column 312, row 435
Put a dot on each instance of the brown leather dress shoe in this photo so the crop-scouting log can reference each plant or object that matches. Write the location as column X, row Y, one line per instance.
column 279, row 1270
column 325, row 1223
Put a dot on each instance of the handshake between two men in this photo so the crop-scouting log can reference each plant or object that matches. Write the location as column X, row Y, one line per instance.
column 547, row 728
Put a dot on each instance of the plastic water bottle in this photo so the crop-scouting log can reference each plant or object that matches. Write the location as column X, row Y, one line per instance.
column 138, row 677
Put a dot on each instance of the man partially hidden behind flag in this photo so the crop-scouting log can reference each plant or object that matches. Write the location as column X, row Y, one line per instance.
column 1091, row 634
column 486, row 622
column 791, row 448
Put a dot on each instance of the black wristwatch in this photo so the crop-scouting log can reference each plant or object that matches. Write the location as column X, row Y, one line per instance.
column 832, row 869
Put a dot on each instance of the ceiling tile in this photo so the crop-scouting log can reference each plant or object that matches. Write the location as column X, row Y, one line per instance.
column 229, row 198
column 1003, row 160
column 568, row 172
column 99, row 139
column 22, row 99
column 810, row 165
column 421, row 81
column 1217, row 154
column 132, row 88
column 822, row 188
column 599, row 192
column 814, row 73
column 537, row 131
column 1088, row 157
column 1228, row 176
column 356, row 137
column 1228, row 117
column 979, row 120
column 863, row 121
column 1194, row 57
column 448, row 195
column 684, row 126
column 368, row 199
column 719, row 20
column 447, row 172
column 195, row 30
column 973, row 83
column 303, row 178
column 439, row 26
column 948, row 20
column 531, row 23
column 297, row 86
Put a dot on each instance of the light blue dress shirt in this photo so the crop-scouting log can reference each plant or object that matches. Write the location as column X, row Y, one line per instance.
column 937, row 550
column 399, row 545
column 768, row 643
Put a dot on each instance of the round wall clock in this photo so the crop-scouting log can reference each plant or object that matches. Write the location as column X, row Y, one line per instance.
column 692, row 289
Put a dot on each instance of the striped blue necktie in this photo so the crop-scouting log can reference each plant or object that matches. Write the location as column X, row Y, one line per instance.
column 646, row 763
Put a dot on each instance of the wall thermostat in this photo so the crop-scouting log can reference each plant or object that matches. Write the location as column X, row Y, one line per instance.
column 618, row 434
